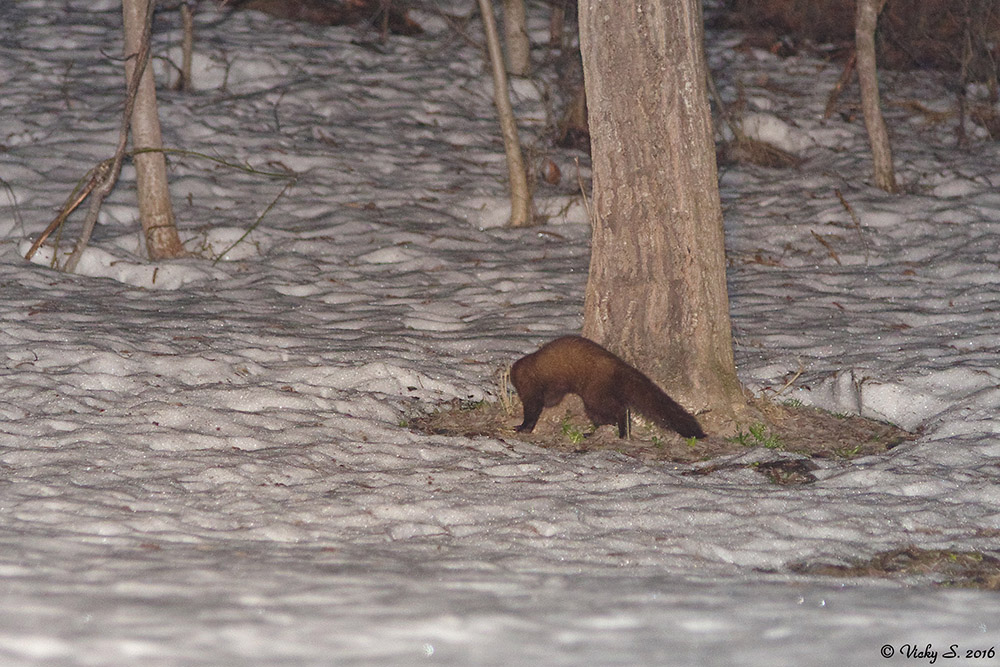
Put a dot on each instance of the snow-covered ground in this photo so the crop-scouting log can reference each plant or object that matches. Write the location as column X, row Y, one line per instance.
column 204, row 464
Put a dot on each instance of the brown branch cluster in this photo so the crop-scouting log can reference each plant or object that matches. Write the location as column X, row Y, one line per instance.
column 102, row 178
column 384, row 15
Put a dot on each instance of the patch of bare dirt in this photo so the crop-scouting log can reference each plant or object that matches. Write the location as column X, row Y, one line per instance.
column 800, row 434
column 962, row 569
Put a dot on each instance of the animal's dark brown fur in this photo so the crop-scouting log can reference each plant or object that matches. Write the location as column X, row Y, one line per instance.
column 607, row 385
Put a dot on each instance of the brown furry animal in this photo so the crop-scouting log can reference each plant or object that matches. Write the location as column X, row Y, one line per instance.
column 607, row 385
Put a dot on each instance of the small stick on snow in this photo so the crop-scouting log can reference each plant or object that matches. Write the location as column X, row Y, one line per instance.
column 854, row 218
column 794, row 378
column 826, row 244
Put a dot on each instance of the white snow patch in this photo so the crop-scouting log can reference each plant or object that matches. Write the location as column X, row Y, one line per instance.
column 775, row 131
column 206, row 464
column 98, row 263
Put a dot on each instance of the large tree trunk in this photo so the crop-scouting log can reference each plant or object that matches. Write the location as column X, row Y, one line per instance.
column 656, row 293
column 866, row 20
column 155, row 211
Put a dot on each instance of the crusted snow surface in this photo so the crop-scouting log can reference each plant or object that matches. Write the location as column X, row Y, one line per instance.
column 203, row 463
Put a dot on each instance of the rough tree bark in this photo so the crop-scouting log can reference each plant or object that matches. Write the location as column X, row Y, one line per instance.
column 865, row 23
column 520, row 195
column 155, row 212
column 656, row 292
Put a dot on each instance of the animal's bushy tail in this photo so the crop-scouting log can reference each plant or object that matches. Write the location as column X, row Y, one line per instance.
column 644, row 396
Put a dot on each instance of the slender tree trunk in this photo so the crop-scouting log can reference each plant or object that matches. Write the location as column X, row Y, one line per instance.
column 187, row 46
column 155, row 211
column 656, row 292
column 520, row 194
column 557, row 19
column 515, row 30
column 866, row 21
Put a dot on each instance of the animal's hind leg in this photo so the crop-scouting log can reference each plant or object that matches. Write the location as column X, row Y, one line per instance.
column 607, row 411
column 623, row 424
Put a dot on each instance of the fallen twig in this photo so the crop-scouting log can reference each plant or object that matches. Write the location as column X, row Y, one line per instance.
column 75, row 199
column 856, row 221
column 791, row 381
column 288, row 173
column 256, row 223
column 826, row 244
